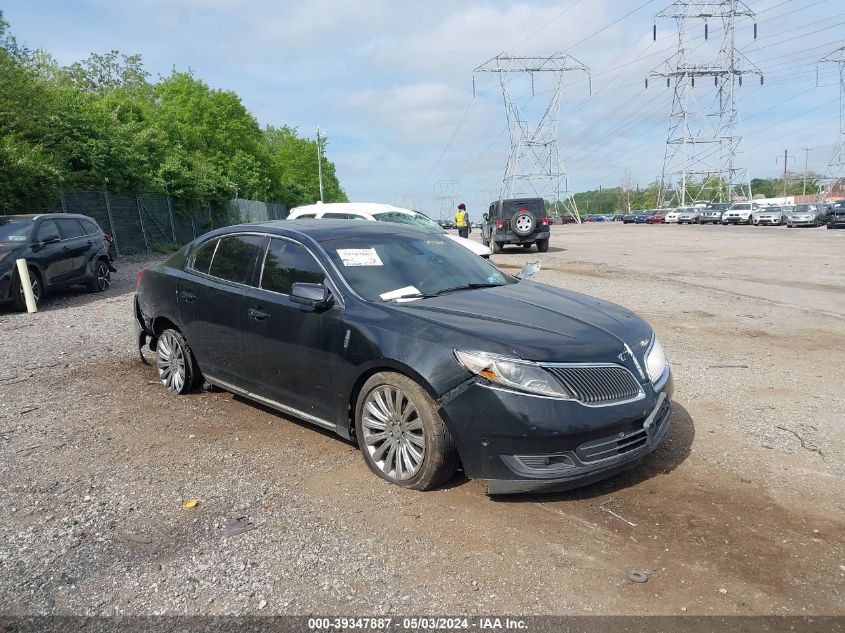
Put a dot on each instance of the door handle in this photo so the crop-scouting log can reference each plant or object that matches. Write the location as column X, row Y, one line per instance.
column 258, row 315
column 187, row 296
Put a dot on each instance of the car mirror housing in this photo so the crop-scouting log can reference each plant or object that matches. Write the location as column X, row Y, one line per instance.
column 529, row 270
column 316, row 295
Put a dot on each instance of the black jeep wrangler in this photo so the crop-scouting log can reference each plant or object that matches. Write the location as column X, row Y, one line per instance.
column 518, row 221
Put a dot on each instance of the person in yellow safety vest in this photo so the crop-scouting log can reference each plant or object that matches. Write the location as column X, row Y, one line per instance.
column 462, row 220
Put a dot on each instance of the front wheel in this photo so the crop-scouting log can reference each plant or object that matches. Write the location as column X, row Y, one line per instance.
column 401, row 435
column 175, row 363
column 542, row 245
column 19, row 298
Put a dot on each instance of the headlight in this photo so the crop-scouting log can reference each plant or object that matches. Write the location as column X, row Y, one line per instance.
column 512, row 373
column 655, row 361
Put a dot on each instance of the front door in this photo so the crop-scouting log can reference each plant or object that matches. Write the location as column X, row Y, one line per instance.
column 49, row 253
column 75, row 245
column 210, row 298
column 291, row 350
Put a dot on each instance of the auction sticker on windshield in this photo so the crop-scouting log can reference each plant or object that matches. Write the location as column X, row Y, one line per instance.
column 359, row 257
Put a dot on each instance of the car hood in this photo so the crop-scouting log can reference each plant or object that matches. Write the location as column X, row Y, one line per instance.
column 539, row 322
column 8, row 247
column 475, row 247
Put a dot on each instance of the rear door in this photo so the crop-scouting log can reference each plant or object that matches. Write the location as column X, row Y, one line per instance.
column 210, row 298
column 292, row 349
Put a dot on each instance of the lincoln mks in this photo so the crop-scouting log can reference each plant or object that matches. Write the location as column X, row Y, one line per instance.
column 428, row 357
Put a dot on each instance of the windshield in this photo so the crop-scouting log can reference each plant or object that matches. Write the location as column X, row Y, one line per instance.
column 382, row 267
column 413, row 218
column 803, row 208
column 14, row 230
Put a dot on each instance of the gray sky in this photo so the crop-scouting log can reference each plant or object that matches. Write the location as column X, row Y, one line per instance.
column 390, row 83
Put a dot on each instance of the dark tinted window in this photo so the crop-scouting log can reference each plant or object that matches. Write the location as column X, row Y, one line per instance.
column 89, row 226
column 234, row 257
column 287, row 263
column 202, row 259
column 337, row 216
column 307, row 216
column 69, row 227
column 46, row 229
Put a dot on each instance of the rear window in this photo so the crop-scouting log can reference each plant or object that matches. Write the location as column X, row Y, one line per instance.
column 69, row 228
column 512, row 207
column 234, row 258
column 89, row 226
column 202, row 259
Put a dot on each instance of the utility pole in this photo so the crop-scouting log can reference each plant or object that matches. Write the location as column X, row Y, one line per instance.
column 320, row 163
column 786, row 158
column 836, row 165
column 702, row 143
column 446, row 197
column 806, row 162
column 534, row 165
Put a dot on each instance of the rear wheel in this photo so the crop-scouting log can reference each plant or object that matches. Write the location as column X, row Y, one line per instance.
column 542, row 245
column 401, row 435
column 175, row 363
column 101, row 280
column 495, row 246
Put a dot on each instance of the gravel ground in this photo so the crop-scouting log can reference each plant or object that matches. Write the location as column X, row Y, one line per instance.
column 741, row 511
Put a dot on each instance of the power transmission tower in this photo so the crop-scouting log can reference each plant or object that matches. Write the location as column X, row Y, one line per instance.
column 534, row 165
column 703, row 143
column 446, row 197
column 836, row 165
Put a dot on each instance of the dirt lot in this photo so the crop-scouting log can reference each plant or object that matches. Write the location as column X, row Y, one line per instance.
column 741, row 511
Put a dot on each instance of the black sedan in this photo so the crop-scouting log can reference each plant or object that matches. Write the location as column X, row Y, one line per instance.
column 60, row 250
column 427, row 356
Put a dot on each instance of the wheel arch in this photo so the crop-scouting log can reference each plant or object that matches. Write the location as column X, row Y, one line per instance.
column 383, row 364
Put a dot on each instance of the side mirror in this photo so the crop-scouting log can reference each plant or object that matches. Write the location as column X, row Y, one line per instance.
column 315, row 295
column 50, row 239
column 529, row 270
column 486, row 216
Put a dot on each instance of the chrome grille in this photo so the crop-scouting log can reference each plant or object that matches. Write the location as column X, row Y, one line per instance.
column 598, row 384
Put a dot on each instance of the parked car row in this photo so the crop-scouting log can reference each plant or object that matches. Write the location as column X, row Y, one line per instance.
column 832, row 215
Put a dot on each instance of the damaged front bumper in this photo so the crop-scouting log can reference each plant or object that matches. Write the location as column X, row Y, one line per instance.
column 521, row 443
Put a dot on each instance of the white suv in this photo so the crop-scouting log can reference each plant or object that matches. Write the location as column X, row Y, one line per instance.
column 740, row 213
column 381, row 213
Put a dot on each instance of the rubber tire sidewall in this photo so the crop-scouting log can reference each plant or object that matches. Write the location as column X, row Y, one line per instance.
column 93, row 286
column 192, row 372
column 542, row 246
column 441, row 457
column 519, row 215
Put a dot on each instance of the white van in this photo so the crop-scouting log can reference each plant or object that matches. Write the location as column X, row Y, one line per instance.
column 381, row 213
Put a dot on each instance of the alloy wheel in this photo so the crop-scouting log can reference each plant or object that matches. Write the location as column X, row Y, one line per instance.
column 524, row 224
column 36, row 289
column 393, row 432
column 170, row 360
column 103, row 276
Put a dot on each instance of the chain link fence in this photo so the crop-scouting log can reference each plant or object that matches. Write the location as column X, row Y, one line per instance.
column 143, row 222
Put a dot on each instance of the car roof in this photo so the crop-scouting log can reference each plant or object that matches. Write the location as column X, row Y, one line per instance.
column 35, row 216
column 340, row 207
column 322, row 231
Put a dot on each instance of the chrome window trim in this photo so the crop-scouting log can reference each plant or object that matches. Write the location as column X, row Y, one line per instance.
column 272, row 403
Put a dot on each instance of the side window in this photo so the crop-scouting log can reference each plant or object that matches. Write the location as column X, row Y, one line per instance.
column 234, row 258
column 89, row 227
column 306, row 216
column 202, row 258
column 46, row 229
column 287, row 263
column 69, row 228
column 336, row 216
